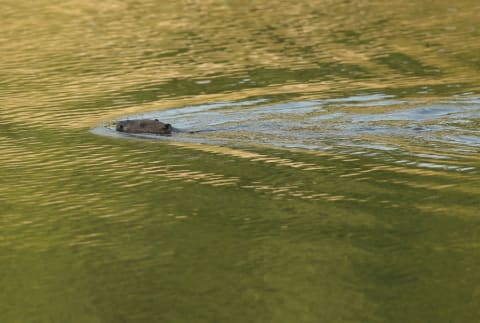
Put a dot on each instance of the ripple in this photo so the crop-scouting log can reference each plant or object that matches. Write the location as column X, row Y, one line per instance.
column 330, row 124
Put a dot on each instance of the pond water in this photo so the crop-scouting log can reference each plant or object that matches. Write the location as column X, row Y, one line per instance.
column 332, row 173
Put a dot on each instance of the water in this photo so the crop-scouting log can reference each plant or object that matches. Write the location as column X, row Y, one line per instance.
column 332, row 176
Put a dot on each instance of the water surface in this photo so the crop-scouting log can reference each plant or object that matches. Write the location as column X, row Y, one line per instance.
column 333, row 177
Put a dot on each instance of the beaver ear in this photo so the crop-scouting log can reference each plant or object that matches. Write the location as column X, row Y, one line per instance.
column 157, row 120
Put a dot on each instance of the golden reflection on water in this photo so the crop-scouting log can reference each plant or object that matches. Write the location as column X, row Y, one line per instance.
column 143, row 174
column 108, row 65
column 163, row 226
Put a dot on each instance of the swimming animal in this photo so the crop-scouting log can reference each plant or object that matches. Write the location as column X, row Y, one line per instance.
column 144, row 126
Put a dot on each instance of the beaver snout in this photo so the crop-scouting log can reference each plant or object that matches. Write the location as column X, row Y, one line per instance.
column 120, row 126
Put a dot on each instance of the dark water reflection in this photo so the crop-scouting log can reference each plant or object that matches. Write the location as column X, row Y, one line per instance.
column 339, row 181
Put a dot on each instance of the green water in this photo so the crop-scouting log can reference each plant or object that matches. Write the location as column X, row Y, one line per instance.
column 338, row 180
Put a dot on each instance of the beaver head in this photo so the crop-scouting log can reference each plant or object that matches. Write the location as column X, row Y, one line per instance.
column 144, row 126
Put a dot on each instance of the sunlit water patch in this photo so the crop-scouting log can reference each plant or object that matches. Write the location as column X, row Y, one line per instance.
column 428, row 134
column 332, row 175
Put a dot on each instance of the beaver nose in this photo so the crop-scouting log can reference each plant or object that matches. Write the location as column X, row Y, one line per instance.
column 119, row 127
column 168, row 127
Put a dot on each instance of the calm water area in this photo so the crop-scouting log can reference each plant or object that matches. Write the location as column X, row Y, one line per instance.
column 332, row 173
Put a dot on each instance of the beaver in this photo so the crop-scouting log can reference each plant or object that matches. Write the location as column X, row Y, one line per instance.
column 144, row 126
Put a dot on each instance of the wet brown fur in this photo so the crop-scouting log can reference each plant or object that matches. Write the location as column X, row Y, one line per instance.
column 144, row 126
